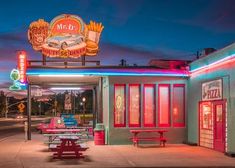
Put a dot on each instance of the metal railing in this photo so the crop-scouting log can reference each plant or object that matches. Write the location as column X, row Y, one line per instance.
column 62, row 63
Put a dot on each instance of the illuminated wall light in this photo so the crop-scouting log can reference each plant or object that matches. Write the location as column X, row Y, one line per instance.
column 65, row 88
column 213, row 65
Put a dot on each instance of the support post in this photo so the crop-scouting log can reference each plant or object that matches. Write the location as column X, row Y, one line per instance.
column 29, row 112
column 83, row 60
column 83, row 112
column 100, row 102
column 44, row 60
column 94, row 106
column 74, row 101
column 40, row 108
column 55, row 103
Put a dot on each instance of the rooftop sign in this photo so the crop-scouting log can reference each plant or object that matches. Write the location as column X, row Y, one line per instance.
column 66, row 36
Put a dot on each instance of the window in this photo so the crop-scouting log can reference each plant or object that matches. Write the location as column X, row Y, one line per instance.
column 164, row 105
column 119, row 105
column 206, row 115
column 178, row 105
column 134, row 105
column 149, row 105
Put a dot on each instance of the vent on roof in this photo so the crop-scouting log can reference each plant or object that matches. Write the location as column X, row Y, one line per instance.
column 206, row 51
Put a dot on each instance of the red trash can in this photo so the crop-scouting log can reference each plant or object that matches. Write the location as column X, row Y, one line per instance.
column 99, row 135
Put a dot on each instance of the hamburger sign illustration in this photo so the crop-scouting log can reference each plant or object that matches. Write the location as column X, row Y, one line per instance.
column 66, row 36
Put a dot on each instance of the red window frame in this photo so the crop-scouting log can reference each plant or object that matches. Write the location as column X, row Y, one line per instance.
column 154, row 108
column 179, row 124
column 129, row 110
column 124, row 124
column 169, row 103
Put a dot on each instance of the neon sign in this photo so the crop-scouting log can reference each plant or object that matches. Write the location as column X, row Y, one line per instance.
column 22, row 66
column 67, row 36
column 19, row 75
column 15, row 76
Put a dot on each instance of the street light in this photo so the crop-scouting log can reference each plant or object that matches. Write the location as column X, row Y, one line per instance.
column 83, row 100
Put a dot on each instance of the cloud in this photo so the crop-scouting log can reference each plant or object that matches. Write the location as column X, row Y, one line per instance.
column 12, row 37
column 5, row 84
column 7, row 54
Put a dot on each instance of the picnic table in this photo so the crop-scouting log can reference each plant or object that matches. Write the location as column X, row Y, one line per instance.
column 137, row 137
column 68, row 148
column 53, row 134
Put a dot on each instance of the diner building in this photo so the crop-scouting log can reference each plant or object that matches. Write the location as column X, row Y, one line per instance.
column 196, row 105
column 194, row 102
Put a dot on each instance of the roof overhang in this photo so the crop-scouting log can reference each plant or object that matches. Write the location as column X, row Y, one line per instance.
column 91, row 76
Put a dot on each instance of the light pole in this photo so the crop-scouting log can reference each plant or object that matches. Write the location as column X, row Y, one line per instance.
column 55, row 102
column 84, row 101
column 6, row 111
column 6, row 103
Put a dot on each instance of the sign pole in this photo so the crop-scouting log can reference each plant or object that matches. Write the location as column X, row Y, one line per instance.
column 83, row 60
column 6, row 107
column 43, row 60
column 29, row 113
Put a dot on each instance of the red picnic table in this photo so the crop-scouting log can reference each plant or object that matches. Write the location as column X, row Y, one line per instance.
column 135, row 139
column 68, row 148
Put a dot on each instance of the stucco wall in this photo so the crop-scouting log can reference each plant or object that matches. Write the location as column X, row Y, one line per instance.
column 225, row 72
column 121, row 135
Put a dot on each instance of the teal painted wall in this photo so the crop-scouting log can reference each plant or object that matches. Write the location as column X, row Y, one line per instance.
column 122, row 135
column 215, row 56
column 225, row 72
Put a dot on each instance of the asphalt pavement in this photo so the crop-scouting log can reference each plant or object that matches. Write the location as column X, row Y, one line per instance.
column 13, row 126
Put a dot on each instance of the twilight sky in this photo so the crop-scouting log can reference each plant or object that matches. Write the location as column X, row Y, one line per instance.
column 135, row 30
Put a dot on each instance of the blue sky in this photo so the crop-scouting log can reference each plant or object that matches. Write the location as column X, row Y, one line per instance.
column 135, row 30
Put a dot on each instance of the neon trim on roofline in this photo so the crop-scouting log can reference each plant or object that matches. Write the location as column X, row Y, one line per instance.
column 213, row 64
column 104, row 72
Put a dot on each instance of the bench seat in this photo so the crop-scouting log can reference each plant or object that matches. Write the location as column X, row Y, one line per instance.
column 137, row 139
column 54, row 147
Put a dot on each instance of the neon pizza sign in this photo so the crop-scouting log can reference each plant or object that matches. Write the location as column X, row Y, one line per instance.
column 66, row 36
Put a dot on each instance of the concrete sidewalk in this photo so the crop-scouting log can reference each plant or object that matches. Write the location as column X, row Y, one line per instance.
column 16, row 153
